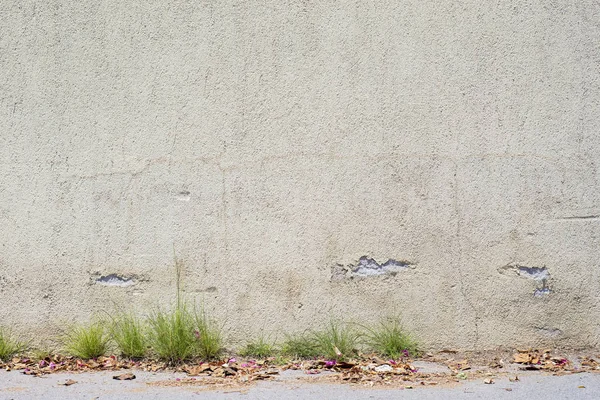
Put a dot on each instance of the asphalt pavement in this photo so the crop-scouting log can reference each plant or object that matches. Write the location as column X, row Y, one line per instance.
column 289, row 385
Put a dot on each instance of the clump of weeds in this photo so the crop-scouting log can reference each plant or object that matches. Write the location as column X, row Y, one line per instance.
column 9, row 345
column 128, row 333
column 172, row 334
column 300, row 345
column 389, row 339
column 182, row 334
column 86, row 341
column 337, row 340
column 259, row 348
column 209, row 336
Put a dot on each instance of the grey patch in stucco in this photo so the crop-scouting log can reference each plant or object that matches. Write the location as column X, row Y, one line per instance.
column 184, row 195
column 535, row 273
column 210, row 289
column 541, row 275
column 368, row 267
column 115, row 280
column 541, row 292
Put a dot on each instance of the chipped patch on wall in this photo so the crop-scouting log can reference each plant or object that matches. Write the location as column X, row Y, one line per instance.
column 540, row 275
column 541, row 292
column 209, row 289
column 368, row 267
column 115, row 280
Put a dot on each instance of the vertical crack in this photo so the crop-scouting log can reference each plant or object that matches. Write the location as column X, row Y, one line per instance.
column 459, row 267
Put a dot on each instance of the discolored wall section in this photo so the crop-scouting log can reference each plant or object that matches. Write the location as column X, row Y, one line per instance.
column 305, row 159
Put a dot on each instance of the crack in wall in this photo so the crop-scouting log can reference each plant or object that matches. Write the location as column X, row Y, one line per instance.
column 459, row 256
column 576, row 217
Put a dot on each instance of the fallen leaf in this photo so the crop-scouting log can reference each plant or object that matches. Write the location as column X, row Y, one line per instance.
column 124, row 377
column 515, row 379
column 384, row 368
column 345, row 364
column 589, row 362
column 522, row 358
column 463, row 365
column 198, row 369
column 489, row 381
column 312, row 372
column 68, row 382
column 30, row 372
column 580, row 387
column 337, row 351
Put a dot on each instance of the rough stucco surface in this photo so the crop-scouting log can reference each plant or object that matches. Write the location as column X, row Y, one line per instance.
column 306, row 159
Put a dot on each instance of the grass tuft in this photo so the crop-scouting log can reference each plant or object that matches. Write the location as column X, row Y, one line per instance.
column 9, row 345
column 171, row 334
column 128, row 333
column 337, row 341
column 209, row 336
column 389, row 339
column 259, row 348
column 86, row 341
column 300, row 345
column 180, row 334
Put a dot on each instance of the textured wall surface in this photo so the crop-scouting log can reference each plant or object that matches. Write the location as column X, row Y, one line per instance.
column 305, row 159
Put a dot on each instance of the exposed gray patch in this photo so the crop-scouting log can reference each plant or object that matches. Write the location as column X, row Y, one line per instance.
column 368, row 267
column 210, row 289
column 535, row 273
column 115, row 280
column 541, row 292
column 184, row 195
column 540, row 275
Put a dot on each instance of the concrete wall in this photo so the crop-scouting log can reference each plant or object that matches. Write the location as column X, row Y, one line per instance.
column 288, row 149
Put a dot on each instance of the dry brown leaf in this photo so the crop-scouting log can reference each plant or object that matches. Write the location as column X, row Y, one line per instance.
column 522, row 358
column 198, row 369
column 124, row 377
column 345, row 364
column 68, row 382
